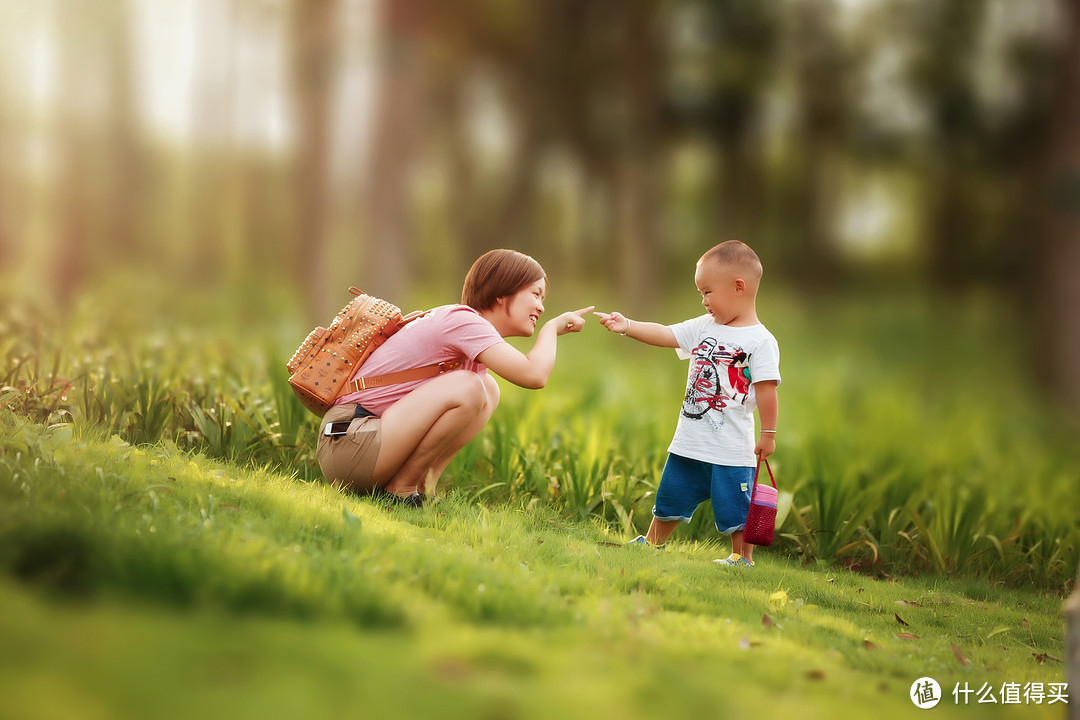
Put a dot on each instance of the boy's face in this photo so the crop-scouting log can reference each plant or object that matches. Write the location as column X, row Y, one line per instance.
column 721, row 290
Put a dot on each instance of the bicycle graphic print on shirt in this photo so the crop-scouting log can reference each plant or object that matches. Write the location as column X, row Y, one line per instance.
column 720, row 376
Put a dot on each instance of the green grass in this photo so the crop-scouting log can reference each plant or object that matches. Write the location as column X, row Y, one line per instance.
column 144, row 581
column 167, row 549
column 909, row 443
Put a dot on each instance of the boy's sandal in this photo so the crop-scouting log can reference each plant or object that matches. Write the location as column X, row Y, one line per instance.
column 640, row 540
column 734, row 559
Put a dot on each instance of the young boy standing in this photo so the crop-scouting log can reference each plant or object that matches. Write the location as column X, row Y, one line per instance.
column 734, row 369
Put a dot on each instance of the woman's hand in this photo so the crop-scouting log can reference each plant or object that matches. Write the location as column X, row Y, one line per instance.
column 532, row 370
column 570, row 321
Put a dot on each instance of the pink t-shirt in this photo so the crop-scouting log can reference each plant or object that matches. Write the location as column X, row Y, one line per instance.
column 446, row 333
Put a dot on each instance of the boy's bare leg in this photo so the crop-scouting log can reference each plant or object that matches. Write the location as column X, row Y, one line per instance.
column 741, row 547
column 660, row 531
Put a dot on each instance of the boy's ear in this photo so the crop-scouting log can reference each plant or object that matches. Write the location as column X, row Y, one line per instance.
column 740, row 285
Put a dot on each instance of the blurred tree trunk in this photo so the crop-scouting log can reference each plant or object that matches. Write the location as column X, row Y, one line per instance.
column 637, row 219
column 739, row 201
column 512, row 221
column 504, row 218
column 7, row 220
column 396, row 135
column 823, row 106
column 314, row 58
column 1058, row 281
column 744, row 37
column 124, row 188
column 950, row 224
column 75, row 129
column 466, row 202
column 950, row 35
column 635, row 228
column 212, row 121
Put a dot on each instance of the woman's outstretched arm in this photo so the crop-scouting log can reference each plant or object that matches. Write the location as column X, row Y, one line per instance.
column 533, row 369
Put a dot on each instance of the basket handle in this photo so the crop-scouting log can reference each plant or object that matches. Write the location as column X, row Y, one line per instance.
column 757, row 472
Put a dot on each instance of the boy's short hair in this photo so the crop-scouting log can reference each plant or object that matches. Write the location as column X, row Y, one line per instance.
column 738, row 255
column 499, row 273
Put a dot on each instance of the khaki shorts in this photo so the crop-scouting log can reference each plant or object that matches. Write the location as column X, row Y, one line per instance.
column 349, row 459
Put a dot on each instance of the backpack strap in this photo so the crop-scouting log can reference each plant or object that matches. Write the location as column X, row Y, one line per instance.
column 404, row 376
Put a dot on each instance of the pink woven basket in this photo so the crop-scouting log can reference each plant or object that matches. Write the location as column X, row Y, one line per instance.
column 761, row 520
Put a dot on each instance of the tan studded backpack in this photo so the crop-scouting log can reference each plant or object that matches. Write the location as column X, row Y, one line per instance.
column 321, row 370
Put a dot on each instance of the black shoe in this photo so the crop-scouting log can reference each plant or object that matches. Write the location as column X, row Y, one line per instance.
column 414, row 501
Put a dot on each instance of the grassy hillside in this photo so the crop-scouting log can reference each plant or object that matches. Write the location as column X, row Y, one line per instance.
column 167, row 550
column 147, row 582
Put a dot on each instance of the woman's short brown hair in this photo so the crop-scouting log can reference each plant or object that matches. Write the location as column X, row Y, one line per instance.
column 499, row 273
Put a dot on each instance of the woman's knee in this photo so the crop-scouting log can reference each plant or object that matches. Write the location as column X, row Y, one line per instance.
column 492, row 393
column 470, row 391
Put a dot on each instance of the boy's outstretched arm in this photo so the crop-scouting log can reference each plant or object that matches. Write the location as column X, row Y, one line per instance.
column 768, row 408
column 646, row 332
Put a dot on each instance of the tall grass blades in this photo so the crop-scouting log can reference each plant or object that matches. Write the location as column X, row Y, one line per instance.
column 890, row 469
column 949, row 521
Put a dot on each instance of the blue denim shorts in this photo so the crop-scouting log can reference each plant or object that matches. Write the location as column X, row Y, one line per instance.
column 686, row 483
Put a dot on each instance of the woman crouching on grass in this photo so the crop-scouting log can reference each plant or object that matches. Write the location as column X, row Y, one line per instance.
column 395, row 441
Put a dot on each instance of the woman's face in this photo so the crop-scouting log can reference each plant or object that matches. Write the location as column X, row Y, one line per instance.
column 522, row 310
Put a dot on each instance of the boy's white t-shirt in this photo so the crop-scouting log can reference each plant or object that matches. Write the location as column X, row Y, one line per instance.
column 716, row 423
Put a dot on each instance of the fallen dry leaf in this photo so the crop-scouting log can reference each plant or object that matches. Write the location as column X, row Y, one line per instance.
column 1043, row 657
column 1030, row 634
column 815, row 675
column 766, row 621
column 907, row 603
column 900, row 620
column 907, row 636
column 960, row 656
column 869, row 645
column 452, row 669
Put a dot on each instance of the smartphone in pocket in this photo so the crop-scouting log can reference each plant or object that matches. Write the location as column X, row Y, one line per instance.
column 334, row 429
